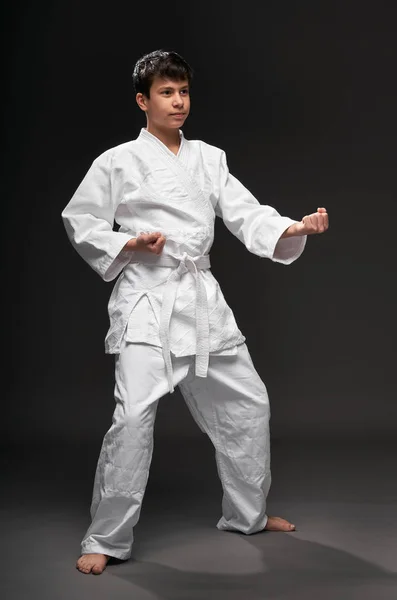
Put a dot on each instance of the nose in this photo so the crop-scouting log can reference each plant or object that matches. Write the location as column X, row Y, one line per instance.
column 178, row 100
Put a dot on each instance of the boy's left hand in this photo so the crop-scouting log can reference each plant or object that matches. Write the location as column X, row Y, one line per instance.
column 314, row 223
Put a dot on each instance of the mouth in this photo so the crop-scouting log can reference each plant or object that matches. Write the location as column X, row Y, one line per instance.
column 178, row 114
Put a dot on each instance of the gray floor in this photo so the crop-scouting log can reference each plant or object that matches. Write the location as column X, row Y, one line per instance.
column 340, row 494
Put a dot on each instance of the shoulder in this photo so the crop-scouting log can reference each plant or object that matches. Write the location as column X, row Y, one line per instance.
column 206, row 149
column 117, row 153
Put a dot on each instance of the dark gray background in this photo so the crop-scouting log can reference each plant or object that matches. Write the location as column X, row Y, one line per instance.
column 302, row 97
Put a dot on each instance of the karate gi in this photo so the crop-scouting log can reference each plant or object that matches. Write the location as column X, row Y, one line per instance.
column 170, row 324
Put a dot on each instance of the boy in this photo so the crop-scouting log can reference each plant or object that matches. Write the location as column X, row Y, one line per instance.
column 169, row 322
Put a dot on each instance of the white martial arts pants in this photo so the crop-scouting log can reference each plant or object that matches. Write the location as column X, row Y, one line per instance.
column 231, row 405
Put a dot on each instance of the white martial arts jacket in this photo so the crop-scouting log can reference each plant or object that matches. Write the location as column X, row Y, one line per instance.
column 172, row 300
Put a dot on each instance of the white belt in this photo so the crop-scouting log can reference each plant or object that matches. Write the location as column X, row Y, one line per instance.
column 184, row 263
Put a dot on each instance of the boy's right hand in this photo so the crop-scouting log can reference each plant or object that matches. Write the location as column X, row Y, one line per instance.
column 147, row 242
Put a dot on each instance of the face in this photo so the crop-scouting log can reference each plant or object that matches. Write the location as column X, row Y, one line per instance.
column 168, row 105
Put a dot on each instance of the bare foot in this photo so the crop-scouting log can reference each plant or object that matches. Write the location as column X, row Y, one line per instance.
column 92, row 563
column 279, row 524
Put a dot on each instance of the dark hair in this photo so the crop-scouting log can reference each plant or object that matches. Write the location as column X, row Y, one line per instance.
column 159, row 63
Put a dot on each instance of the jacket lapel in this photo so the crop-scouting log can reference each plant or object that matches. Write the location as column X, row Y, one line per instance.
column 178, row 165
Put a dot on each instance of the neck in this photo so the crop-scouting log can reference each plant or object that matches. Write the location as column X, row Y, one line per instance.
column 169, row 137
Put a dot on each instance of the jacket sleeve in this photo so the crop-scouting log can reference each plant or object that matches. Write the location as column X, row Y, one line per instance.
column 89, row 219
column 258, row 226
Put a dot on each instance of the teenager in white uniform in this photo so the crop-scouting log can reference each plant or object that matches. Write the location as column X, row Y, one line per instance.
column 169, row 322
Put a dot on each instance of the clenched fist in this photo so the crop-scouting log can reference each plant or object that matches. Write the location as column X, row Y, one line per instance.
column 314, row 223
column 147, row 242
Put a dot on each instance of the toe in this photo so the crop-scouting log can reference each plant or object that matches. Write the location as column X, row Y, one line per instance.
column 83, row 569
column 286, row 525
column 83, row 565
column 97, row 569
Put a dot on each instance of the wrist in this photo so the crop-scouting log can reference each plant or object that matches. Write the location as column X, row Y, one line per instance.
column 130, row 245
column 291, row 231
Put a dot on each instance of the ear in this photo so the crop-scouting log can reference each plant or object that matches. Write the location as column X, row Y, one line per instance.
column 141, row 100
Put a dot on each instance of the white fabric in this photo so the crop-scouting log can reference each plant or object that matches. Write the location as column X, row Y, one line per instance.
column 184, row 264
column 143, row 187
column 231, row 405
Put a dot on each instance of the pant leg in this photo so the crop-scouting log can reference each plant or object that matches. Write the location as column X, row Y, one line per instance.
column 123, row 465
column 231, row 405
